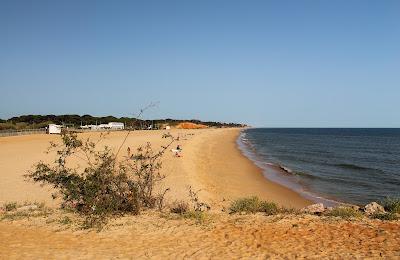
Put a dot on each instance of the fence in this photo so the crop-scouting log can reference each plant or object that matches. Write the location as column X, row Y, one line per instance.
column 97, row 130
column 10, row 132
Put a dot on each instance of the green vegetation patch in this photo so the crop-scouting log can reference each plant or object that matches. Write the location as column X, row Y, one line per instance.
column 200, row 217
column 253, row 205
column 180, row 207
column 385, row 216
column 9, row 206
column 14, row 211
column 391, row 205
column 344, row 212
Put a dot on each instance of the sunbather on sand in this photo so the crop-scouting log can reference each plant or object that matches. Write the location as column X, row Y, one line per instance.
column 177, row 151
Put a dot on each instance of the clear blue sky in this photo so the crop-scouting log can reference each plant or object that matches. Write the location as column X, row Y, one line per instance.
column 265, row 63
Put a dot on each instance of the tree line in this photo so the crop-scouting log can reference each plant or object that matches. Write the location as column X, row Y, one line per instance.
column 39, row 121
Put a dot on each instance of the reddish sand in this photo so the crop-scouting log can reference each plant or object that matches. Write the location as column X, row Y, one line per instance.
column 188, row 125
column 223, row 237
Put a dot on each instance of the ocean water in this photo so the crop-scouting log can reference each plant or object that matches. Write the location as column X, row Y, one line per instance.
column 329, row 165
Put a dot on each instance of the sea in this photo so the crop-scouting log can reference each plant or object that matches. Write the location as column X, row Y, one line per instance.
column 329, row 165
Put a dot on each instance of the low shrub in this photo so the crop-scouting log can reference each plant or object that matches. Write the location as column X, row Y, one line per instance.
column 105, row 186
column 344, row 212
column 268, row 208
column 15, row 211
column 248, row 205
column 65, row 221
column 253, row 205
column 385, row 216
column 200, row 217
column 9, row 206
column 291, row 211
column 197, row 204
column 180, row 207
column 7, row 126
column 391, row 205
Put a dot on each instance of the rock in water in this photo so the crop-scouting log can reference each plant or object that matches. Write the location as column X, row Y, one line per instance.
column 314, row 208
column 373, row 208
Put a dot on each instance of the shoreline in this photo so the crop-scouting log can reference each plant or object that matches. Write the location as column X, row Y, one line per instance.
column 280, row 174
column 227, row 174
column 212, row 162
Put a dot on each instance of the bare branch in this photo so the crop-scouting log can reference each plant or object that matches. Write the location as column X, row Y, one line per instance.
column 151, row 105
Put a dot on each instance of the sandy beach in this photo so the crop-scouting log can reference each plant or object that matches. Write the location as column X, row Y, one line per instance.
column 210, row 162
column 199, row 130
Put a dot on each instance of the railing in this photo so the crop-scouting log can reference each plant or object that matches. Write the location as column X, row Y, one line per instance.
column 79, row 130
column 10, row 132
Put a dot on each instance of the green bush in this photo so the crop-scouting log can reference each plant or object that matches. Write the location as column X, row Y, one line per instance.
column 9, row 206
column 180, row 207
column 344, row 212
column 105, row 186
column 253, row 205
column 65, row 221
column 248, row 205
column 391, row 205
column 268, row 208
column 385, row 216
column 7, row 126
column 199, row 216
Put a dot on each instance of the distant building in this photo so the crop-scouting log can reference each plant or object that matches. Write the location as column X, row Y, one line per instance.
column 54, row 129
column 111, row 125
column 116, row 125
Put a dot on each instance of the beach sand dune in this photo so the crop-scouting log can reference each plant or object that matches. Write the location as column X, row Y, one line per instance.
column 250, row 236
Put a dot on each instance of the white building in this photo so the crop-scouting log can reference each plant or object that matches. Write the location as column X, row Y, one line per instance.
column 111, row 125
column 54, row 129
column 116, row 125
